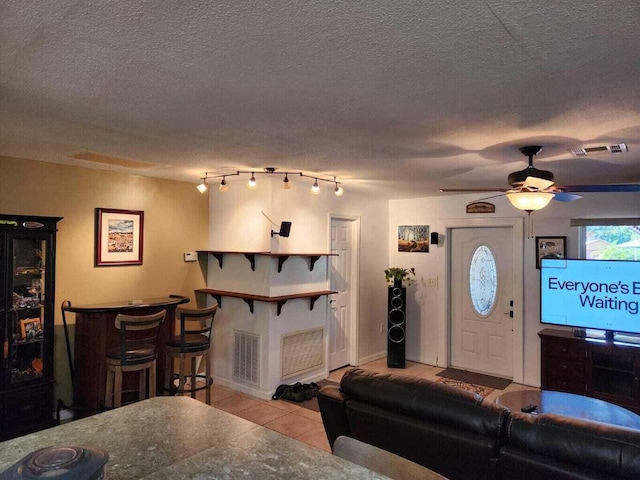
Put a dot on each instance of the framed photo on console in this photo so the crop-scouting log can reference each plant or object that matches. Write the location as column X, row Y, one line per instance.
column 550, row 247
column 119, row 236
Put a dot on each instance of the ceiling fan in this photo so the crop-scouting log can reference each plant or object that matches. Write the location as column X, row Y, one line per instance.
column 533, row 189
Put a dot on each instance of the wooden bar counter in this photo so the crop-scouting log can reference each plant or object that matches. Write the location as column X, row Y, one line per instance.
column 95, row 332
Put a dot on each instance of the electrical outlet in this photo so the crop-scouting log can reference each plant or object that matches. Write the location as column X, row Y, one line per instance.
column 432, row 282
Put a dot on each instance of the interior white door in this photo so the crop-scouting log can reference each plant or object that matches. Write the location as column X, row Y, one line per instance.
column 340, row 303
column 481, row 289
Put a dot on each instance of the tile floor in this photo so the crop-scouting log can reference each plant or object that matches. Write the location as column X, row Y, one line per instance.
column 304, row 424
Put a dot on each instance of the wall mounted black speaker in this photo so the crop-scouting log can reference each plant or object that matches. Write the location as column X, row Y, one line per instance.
column 396, row 323
column 434, row 238
column 285, row 229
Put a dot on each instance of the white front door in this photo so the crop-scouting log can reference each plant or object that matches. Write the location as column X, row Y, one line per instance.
column 482, row 288
column 340, row 303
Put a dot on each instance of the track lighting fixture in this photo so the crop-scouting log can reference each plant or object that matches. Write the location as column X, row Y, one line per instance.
column 252, row 181
column 203, row 186
column 315, row 188
column 286, row 182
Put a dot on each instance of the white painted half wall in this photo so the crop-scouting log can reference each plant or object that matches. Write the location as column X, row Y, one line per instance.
column 237, row 224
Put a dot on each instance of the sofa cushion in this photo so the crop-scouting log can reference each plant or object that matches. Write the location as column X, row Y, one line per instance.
column 582, row 448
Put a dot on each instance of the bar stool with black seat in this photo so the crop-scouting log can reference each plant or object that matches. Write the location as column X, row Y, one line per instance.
column 193, row 344
column 137, row 352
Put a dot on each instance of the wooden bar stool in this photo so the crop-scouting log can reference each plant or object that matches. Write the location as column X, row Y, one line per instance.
column 137, row 352
column 192, row 344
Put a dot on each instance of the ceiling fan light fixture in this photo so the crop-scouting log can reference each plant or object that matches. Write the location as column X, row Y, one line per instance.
column 529, row 201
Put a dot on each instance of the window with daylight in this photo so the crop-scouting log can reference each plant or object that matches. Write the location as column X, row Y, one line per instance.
column 483, row 280
column 609, row 238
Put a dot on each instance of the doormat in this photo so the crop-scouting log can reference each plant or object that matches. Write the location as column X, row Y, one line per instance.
column 471, row 387
column 475, row 378
column 313, row 403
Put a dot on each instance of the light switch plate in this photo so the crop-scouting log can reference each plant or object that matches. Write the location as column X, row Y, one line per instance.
column 190, row 256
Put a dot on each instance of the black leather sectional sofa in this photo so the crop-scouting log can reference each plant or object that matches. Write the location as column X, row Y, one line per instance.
column 461, row 436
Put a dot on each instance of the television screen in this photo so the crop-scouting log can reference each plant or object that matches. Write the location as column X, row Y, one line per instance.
column 595, row 294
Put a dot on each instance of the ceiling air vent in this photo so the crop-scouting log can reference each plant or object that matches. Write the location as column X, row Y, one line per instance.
column 615, row 148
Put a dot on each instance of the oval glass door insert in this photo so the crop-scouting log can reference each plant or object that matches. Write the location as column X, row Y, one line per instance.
column 483, row 280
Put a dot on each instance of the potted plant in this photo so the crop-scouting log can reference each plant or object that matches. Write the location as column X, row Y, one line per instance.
column 399, row 276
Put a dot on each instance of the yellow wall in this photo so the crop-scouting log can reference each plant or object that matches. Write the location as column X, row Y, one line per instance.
column 176, row 218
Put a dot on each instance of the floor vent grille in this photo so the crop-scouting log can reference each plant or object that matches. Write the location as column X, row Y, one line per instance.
column 246, row 357
column 302, row 351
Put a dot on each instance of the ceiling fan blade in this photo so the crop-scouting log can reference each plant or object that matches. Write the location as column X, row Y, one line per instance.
column 538, row 183
column 619, row 187
column 471, row 190
column 565, row 197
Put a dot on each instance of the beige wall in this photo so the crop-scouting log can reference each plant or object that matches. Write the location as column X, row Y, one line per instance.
column 175, row 221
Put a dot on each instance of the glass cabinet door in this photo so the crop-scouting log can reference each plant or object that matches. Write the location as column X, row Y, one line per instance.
column 28, row 287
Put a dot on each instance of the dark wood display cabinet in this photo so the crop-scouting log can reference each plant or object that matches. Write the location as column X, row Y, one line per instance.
column 597, row 368
column 27, row 280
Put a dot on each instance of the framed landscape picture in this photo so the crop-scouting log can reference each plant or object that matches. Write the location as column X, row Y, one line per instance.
column 119, row 237
column 413, row 238
column 550, row 247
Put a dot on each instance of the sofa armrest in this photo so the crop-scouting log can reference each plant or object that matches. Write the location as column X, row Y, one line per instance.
column 333, row 409
column 598, row 447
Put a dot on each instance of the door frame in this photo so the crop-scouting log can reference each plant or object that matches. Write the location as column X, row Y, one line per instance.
column 354, row 324
column 517, row 228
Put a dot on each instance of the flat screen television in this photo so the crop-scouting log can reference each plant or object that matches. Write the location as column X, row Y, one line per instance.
column 600, row 295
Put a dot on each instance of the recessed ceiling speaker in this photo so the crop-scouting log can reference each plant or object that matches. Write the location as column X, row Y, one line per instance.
column 396, row 322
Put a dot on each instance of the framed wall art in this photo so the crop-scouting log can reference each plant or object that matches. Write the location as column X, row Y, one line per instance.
column 119, row 237
column 413, row 238
column 550, row 247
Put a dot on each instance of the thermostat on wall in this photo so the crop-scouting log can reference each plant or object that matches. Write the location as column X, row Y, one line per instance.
column 190, row 256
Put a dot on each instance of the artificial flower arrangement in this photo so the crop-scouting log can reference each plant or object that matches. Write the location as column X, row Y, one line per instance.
column 400, row 276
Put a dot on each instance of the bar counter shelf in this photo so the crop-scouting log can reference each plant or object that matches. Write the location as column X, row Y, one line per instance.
column 249, row 298
column 282, row 257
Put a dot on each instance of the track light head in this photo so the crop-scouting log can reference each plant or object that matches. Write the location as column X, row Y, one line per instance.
column 203, row 186
column 315, row 188
column 252, row 181
column 223, row 185
column 285, row 183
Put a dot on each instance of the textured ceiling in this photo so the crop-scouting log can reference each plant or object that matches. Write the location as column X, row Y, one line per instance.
column 400, row 97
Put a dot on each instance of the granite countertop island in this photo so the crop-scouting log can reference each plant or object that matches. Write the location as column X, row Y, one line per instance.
column 182, row 438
